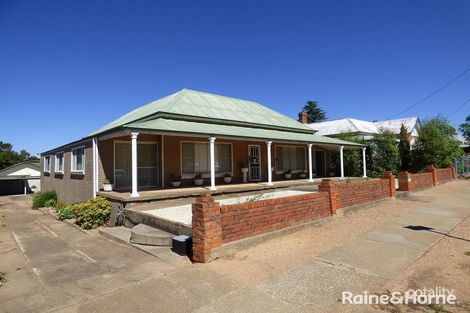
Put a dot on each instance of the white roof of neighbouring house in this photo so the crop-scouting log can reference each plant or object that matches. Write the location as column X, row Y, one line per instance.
column 352, row 125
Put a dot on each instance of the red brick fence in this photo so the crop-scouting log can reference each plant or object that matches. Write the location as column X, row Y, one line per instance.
column 432, row 177
column 214, row 224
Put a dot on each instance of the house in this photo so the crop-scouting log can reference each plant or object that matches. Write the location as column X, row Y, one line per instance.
column 366, row 129
column 21, row 178
column 185, row 134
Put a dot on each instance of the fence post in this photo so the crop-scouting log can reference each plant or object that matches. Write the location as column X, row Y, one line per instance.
column 388, row 175
column 329, row 186
column 207, row 230
column 404, row 181
column 432, row 169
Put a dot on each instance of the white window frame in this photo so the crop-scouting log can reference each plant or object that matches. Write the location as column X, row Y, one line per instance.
column 204, row 175
column 56, row 170
column 48, row 168
column 75, row 171
column 293, row 171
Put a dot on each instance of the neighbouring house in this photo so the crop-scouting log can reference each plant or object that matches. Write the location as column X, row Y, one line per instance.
column 366, row 129
column 185, row 134
column 21, row 178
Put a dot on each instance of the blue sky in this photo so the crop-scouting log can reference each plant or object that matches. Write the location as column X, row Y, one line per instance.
column 69, row 67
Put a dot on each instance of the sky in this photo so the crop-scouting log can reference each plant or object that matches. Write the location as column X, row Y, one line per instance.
column 70, row 67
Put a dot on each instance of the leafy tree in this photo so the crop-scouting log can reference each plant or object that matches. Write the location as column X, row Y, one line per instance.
column 435, row 145
column 314, row 112
column 465, row 128
column 9, row 157
column 405, row 149
column 352, row 158
column 383, row 155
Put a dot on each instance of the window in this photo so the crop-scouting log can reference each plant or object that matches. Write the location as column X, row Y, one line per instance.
column 195, row 157
column 290, row 158
column 59, row 162
column 47, row 163
column 78, row 159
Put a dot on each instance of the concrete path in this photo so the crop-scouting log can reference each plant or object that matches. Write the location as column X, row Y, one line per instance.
column 52, row 266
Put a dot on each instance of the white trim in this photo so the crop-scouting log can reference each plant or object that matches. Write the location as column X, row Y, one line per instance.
column 268, row 152
column 162, row 160
column 56, row 163
column 71, row 160
column 310, row 162
column 341, row 161
column 94, row 166
column 134, row 146
column 48, row 170
column 364, row 166
column 212, row 162
column 204, row 175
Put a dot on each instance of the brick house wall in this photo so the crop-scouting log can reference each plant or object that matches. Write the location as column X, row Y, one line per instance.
column 70, row 187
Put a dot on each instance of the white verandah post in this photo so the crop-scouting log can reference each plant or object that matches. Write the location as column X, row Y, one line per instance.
column 364, row 168
column 134, row 135
column 212, row 162
column 310, row 165
column 341, row 161
column 270, row 174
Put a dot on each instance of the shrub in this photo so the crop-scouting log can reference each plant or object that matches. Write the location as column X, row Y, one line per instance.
column 49, row 203
column 40, row 198
column 64, row 213
column 92, row 213
column 59, row 205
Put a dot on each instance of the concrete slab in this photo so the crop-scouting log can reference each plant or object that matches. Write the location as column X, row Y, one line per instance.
column 184, row 291
column 441, row 212
column 146, row 235
column 427, row 220
column 318, row 286
column 398, row 234
column 376, row 258
column 249, row 300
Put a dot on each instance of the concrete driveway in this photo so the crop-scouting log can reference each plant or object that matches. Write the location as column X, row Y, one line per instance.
column 52, row 266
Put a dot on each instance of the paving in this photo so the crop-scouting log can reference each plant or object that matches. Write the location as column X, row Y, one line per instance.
column 52, row 266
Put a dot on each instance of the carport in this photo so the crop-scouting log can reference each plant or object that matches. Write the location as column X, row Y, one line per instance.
column 14, row 185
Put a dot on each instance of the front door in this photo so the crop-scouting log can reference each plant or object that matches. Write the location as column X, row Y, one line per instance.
column 147, row 165
column 254, row 163
column 320, row 163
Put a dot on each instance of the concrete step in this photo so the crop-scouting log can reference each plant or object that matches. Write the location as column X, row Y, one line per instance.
column 134, row 217
column 147, row 235
column 122, row 235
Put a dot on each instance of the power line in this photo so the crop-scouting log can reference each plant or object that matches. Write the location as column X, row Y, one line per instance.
column 433, row 93
column 458, row 109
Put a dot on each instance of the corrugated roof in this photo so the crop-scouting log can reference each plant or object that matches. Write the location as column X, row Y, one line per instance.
column 188, row 127
column 351, row 125
column 187, row 104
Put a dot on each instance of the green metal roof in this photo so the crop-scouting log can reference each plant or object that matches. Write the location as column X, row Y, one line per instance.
column 195, row 128
column 193, row 105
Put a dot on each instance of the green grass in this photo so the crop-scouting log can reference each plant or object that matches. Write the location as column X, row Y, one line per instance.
column 467, row 253
column 2, row 221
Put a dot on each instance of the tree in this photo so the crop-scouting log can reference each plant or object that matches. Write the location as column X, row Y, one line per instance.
column 465, row 128
column 8, row 157
column 384, row 154
column 405, row 149
column 314, row 112
column 435, row 145
column 352, row 158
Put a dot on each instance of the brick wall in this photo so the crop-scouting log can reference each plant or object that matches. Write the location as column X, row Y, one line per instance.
column 355, row 193
column 252, row 218
column 214, row 225
column 433, row 176
column 445, row 174
column 70, row 187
